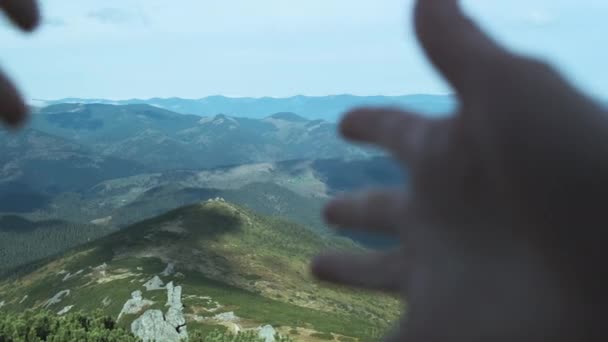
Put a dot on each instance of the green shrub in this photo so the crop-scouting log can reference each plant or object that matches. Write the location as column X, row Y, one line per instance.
column 47, row 326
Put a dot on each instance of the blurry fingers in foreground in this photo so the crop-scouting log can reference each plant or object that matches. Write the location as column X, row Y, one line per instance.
column 502, row 226
column 25, row 14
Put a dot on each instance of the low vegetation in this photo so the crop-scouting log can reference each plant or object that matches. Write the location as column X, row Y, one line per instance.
column 47, row 326
column 94, row 327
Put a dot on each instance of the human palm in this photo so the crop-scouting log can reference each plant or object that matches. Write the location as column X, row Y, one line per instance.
column 500, row 225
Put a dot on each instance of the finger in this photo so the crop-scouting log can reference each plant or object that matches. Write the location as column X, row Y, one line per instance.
column 12, row 108
column 400, row 132
column 378, row 211
column 456, row 45
column 379, row 271
column 24, row 13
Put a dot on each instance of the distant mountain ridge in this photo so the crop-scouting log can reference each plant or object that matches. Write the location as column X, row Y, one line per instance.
column 160, row 139
column 328, row 108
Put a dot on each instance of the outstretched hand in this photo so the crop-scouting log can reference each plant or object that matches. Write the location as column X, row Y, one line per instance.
column 502, row 225
column 23, row 13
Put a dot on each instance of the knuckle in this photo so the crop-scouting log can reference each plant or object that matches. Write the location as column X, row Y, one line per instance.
column 508, row 72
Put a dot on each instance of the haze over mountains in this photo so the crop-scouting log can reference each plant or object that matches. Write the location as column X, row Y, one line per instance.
column 113, row 165
column 328, row 108
column 161, row 139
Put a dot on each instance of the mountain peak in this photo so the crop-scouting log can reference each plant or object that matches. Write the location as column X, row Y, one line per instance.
column 219, row 119
column 288, row 116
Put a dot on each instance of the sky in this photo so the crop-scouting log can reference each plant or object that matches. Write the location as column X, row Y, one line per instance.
column 120, row 49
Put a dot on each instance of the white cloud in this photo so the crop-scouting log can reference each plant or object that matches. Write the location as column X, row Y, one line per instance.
column 112, row 15
column 540, row 18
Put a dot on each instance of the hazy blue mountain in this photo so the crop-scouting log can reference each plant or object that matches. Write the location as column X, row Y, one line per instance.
column 328, row 108
column 99, row 123
column 161, row 139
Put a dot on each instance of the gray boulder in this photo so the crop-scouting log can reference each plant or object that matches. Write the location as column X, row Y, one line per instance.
column 227, row 317
column 134, row 305
column 151, row 326
column 154, row 284
column 267, row 333
column 170, row 327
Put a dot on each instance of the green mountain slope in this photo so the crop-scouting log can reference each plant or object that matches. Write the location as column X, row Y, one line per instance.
column 23, row 241
column 293, row 190
column 209, row 265
column 264, row 198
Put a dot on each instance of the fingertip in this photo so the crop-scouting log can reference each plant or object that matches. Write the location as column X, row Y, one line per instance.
column 31, row 23
column 430, row 13
column 16, row 118
column 30, row 20
column 351, row 123
column 13, row 110
column 24, row 13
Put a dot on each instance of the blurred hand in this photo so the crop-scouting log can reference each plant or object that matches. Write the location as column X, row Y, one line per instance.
column 23, row 13
column 503, row 223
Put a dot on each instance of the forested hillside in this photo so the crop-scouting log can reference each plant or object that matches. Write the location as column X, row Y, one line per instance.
column 23, row 241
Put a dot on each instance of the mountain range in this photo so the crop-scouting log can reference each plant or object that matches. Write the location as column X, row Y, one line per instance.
column 100, row 166
column 160, row 139
column 328, row 108
column 179, row 225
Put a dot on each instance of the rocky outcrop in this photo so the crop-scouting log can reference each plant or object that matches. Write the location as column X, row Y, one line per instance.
column 134, row 305
column 169, row 270
column 170, row 327
column 106, row 301
column 267, row 333
column 65, row 310
column 151, row 326
column 154, row 284
column 226, row 317
column 56, row 298
column 69, row 276
column 175, row 315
